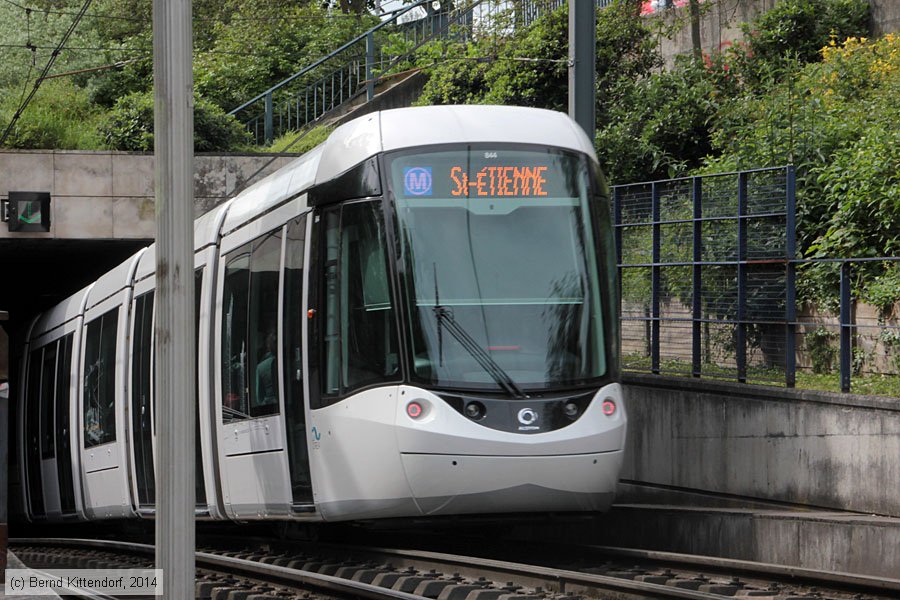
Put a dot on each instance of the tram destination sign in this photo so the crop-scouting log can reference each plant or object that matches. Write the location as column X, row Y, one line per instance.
column 28, row 211
column 488, row 175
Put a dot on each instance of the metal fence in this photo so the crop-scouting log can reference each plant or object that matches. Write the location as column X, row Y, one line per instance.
column 708, row 278
column 353, row 70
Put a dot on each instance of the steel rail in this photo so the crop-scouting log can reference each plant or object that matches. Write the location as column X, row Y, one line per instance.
column 759, row 568
column 240, row 566
column 565, row 581
column 561, row 581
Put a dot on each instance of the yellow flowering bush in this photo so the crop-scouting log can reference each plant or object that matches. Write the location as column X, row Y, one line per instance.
column 836, row 121
column 859, row 64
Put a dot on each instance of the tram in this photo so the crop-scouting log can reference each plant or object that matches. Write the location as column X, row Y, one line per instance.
column 416, row 318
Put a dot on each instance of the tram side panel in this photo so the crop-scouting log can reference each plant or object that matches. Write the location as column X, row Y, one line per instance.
column 141, row 392
column 49, row 419
column 252, row 441
column 103, row 411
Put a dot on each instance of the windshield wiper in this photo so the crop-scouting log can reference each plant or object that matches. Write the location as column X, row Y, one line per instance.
column 445, row 319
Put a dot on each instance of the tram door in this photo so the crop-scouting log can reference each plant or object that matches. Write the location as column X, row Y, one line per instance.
column 32, row 435
column 293, row 312
column 49, row 474
column 106, row 491
column 142, row 401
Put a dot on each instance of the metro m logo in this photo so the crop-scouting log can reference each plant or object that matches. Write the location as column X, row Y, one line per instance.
column 417, row 181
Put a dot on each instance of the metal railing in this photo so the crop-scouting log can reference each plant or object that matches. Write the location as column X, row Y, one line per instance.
column 390, row 47
column 708, row 278
column 348, row 71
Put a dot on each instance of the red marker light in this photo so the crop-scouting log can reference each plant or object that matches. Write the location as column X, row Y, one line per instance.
column 608, row 407
column 414, row 410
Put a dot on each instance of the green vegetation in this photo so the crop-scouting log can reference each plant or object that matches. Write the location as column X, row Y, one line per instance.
column 61, row 116
column 289, row 142
column 868, row 384
column 129, row 126
column 804, row 87
column 105, row 98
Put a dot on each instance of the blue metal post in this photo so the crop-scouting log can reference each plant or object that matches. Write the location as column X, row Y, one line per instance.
column 617, row 215
column 370, row 58
column 741, row 327
column 790, row 305
column 655, row 284
column 846, row 327
column 617, row 228
column 269, row 129
column 697, row 283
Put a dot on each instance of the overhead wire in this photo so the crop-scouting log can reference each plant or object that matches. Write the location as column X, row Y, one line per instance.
column 48, row 11
column 47, row 67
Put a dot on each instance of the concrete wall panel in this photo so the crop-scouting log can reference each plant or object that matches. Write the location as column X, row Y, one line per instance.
column 132, row 175
column 78, row 174
column 110, row 195
column 134, row 217
column 822, row 450
column 25, row 172
column 82, row 218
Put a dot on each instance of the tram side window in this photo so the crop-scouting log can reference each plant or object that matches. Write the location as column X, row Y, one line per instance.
column 250, row 330
column 359, row 322
column 99, row 380
column 48, row 385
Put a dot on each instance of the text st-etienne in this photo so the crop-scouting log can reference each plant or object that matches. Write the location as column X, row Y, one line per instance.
column 500, row 181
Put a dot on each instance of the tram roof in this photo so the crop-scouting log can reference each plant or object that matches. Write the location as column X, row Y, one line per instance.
column 346, row 147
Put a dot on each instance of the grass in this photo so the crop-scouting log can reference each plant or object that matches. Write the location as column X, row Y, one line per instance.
column 312, row 139
column 867, row 384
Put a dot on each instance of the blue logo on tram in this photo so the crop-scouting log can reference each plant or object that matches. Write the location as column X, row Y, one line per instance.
column 417, row 181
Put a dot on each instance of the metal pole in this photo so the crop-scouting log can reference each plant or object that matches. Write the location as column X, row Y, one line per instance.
column 582, row 59
column 655, row 282
column 270, row 134
column 697, row 278
column 175, row 351
column 790, row 312
column 741, row 327
column 846, row 326
column 370, row 58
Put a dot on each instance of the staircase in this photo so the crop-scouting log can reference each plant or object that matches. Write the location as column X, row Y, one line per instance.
column 383, row 55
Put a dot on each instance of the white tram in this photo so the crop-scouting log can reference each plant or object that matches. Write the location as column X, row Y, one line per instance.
column 417, row 317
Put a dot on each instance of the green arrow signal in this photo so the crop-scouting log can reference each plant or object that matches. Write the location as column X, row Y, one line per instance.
column 29, row 216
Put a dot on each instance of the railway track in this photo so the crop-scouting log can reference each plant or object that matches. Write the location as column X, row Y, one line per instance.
column 275, row 569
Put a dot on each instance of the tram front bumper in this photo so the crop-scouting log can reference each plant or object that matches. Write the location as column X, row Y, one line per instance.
column 455, row 484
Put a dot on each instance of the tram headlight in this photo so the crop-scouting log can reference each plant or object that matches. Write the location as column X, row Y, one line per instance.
column 475, row 410
column 571, row 410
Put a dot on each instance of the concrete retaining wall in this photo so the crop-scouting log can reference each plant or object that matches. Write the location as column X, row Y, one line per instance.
column 721, row 23
column 109, row 195
column 815, row 449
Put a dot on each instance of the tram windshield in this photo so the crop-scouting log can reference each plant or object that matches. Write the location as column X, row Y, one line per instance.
column 499, row 268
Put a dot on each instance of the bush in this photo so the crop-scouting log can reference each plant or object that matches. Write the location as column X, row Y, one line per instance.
column 60, row 116
column 836, row 122
column 821, row 352
column 129, row 126
column 799, row 28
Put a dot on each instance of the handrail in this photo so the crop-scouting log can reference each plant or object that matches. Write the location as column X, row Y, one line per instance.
column 323, row 59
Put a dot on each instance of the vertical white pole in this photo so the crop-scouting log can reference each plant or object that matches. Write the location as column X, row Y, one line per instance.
column 175, row 351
